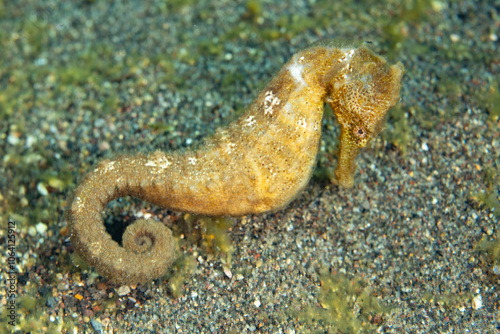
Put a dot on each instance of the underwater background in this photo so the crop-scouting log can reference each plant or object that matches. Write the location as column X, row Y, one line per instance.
column 414, row 247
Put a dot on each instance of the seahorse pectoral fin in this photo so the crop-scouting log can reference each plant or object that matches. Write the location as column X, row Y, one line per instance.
column 346, row 167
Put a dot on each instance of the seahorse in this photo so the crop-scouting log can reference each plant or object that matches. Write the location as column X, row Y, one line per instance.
column 257, row 164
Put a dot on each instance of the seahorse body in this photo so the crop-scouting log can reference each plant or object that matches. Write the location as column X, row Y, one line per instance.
column 257, row 164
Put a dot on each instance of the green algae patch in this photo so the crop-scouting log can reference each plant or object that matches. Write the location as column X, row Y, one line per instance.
column 32, row 315
column 488, row 199
column 214, row 233
column 254, row 10
column 176, row 5
column 488, row 99
column 348, row 304
column 395, row 28
column 324, row 174
column 448, row 300
column 78, row 264
column 181, row 270
column 16, row 95
column 30, row 200
column 489, row 249
column 36, row 33
column 161, row 127
column 400, row 134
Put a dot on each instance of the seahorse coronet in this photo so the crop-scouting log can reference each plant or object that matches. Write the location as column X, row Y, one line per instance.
column 257, row 164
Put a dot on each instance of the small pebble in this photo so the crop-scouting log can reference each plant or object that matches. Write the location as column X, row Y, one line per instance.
column 32, row 231
column 496, row 270
column 13, row 140
column 454, row 38
column 96, row 325
column 105, row 322
column 477, row 302
column 51, row 302
column 40, row 61
column 41, row 228
column 123, row 290
column 30, row 140
column 57, row 183
column 42, row 190
column 228, row 273
column 104, row 146
column 99, row 122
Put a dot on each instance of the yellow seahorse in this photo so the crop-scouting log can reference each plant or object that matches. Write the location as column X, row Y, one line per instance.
column 257, row 164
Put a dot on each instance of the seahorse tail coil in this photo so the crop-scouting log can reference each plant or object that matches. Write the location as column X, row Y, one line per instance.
column 148, row 246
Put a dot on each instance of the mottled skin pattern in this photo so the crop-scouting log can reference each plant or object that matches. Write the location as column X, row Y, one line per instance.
column 257, row 164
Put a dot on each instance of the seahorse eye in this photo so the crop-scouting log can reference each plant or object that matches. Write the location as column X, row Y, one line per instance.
column 360, row 132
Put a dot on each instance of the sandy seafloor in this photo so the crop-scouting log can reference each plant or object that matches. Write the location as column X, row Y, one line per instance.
column 85, row 80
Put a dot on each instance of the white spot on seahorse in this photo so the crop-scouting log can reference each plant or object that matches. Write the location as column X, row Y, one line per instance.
column 160, row 163
column 96, row 248
column 269, row 102
column 230, row 147
column 79, row 204
column 348, row 53
column 192, row 161
column 109, row 166
column 296, row 72
column 164, row 163
column 302, row 122
column 288, row 108
column 250, row 121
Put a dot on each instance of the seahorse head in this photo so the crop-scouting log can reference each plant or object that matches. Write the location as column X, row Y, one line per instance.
column 361, row 91
column 361, row 87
